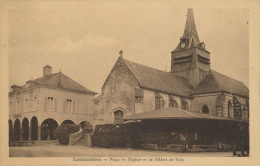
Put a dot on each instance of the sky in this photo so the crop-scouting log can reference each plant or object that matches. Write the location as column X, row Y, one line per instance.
column 84, row 43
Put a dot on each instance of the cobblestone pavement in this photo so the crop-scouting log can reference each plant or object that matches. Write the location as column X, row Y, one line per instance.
column 83, row 151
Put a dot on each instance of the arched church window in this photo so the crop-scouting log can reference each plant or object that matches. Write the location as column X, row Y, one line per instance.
column 118, row 116
column 172, row 102
column 205, row 109
column 184, row 104
column 229, row 109
column 159, row 102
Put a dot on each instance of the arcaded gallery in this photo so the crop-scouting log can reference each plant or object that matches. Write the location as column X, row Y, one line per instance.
column 41, row 105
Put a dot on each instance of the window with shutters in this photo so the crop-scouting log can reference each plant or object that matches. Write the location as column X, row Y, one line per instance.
column 51, row 102
column 17, row 109
column 26, row 106
column 35, row 104
column 159, row 102
column 69, row 105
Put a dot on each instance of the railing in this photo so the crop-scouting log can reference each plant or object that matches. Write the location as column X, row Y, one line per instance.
column 73, row 138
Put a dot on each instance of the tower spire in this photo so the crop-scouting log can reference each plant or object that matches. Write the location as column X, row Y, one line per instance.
column 190, row 38
column 190, row 59
column 190, row 27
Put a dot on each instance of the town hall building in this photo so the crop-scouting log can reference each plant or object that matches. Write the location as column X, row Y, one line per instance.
column 39, row 106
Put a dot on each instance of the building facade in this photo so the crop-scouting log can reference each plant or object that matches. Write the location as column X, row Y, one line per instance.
column 191, row 85
column 38, row 107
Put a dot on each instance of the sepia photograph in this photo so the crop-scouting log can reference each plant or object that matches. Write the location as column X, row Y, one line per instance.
column 127, row 82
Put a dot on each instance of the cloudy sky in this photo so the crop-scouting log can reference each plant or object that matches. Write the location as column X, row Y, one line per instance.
column 84, row 42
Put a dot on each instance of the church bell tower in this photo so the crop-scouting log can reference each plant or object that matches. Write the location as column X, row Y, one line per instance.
column 190, row 59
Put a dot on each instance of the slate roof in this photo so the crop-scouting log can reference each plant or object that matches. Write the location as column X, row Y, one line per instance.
column 159, row 80
column 176, row 113
column 60, row 80
column 216, row 82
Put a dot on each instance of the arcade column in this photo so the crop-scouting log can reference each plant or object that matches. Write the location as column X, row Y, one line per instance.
column 39, row 133
column 21, row 133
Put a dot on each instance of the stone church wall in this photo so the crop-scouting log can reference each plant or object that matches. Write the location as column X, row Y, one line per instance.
column 209, row 100
column 149, row 100
column 117, row 94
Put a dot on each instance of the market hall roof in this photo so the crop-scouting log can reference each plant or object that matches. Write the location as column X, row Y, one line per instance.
column 176, row 113
column 159, row 80
column 216, row 82
column 60, row 80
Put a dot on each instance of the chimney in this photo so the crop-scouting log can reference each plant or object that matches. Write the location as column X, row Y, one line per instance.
column 47, row 70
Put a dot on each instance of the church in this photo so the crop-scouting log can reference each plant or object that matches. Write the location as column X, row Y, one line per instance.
column 191, row 85
column 191, row 93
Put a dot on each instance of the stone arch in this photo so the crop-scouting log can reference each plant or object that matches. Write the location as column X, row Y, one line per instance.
column 86, row 126
column 48, row 127
column 34, row 128
column 205, row 109
column 229, row 108
column 25, row 129
column 118, row 115
column 10, row 123
column 17, row 129
column 67, row 122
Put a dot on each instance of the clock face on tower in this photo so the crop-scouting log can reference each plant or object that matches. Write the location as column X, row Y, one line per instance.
column 183, row 45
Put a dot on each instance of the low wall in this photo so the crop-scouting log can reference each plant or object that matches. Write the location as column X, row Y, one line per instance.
column 31, row 143
column 74, row 138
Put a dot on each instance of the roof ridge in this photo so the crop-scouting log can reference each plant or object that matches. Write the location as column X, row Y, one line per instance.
column 43, row 77
column 217, row 82
column 145, row 65
column 228, row 77
column 171, row 73
column 59, row 78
